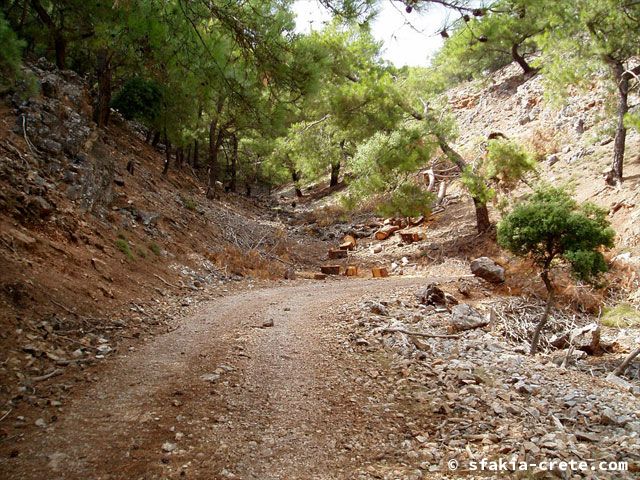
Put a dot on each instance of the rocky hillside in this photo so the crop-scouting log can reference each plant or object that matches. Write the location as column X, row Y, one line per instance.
column 96, row 244
column 574, row 142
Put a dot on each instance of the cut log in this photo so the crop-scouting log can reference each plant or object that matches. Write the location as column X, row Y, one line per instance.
column 333, row 254
column 351, row 271
column 386, row 231
column 415, row 221
column 348, row 243
column 330, row 269
column 319, row 276
column 410, row 237
column 379, row 272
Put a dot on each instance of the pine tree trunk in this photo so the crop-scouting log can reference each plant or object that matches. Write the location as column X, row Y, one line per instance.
column 482, row 213
column 215, row 141
column 482, row 216
column 234, row 163
column 103, row 71
column 295, row 176
column 335, row 173
column 167, row 159
column 614, row 177
column 547, row 310
column 520, row 60
column 156, row 139
column 179, row 157
column 59, row 42
column 60, row 45
column 196, row 155
column 216, row 136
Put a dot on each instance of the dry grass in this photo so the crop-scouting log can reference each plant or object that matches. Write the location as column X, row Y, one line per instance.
column 544, row 141
column 251, row 263
column 523, row 279
column 328, row 215
column 623, row 315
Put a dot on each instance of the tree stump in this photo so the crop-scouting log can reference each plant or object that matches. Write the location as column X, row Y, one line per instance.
column 379, row 272
column 351, row 271
column 334, row 254
column 410, row 237
column 386, row 231
column 348, row 243
column 330, row 269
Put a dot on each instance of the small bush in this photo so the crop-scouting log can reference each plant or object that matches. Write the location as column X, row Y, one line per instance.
column 139, row 99
column 141, row 253
column 123, row 245
column 155, row 248
column 189, row 203
column 551, row 227
column 508, row 162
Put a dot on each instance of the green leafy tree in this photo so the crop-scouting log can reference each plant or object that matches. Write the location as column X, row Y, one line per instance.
column 346, row 108
column 385, row 166
column 485, row 43
column 500, row 170
column 585, row 37
column 550, row 228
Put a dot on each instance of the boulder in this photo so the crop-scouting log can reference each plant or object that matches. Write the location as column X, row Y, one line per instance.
column 465, row 317
column 39, row 207
column 585, row 338
column 487, row 269
column 433, row 295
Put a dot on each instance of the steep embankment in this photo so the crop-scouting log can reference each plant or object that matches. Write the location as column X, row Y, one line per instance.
column 573, row 142
column 96, row 245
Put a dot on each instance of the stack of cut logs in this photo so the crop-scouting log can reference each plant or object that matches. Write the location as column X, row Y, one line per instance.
column 349, row 243
column 392, row 225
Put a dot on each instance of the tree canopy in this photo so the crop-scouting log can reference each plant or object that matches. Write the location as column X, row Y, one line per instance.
column 551, row 227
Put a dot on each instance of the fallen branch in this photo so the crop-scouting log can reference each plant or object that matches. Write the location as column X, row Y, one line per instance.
column 625, row 364
column 418, row 334
column 165, row 282
column 32, row 147
column 41, row 378
column 65, row 362
column 6, row 414
column 66, row 309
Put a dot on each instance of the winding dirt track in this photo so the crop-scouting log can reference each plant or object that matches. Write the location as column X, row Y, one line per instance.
column 286, row 404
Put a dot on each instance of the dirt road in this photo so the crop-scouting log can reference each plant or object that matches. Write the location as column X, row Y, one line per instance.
column 223, row 396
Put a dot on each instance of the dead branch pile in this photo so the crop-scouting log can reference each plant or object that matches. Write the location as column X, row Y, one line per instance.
column 516, row 319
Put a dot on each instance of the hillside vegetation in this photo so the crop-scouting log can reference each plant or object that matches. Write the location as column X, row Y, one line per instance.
column 274, row 252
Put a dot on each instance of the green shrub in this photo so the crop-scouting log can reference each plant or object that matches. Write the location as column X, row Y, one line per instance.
column 508, row 162
column 10, row 55
column 139, row 99
column 155, row 248
column 123, row 245
column 189, row 203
